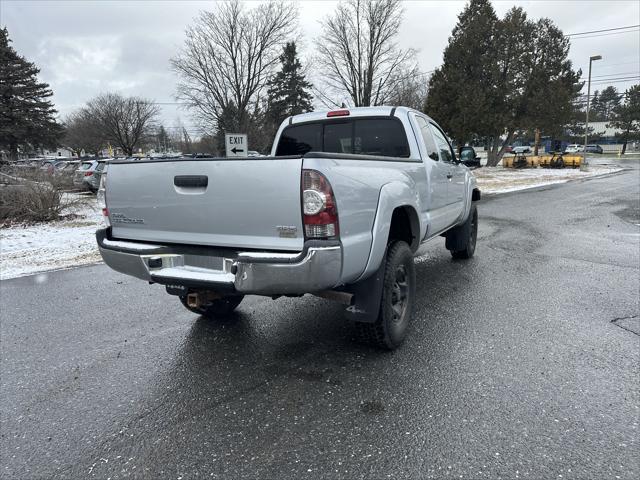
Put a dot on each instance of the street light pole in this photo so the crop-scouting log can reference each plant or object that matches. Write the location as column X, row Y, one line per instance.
column 584, row 164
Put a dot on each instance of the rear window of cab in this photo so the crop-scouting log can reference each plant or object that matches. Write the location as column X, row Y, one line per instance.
column 361, row 136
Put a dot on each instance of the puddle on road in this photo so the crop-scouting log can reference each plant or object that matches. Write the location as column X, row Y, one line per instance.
column 630, row 211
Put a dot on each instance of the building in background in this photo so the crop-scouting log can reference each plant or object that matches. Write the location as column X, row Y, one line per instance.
column 62, row 152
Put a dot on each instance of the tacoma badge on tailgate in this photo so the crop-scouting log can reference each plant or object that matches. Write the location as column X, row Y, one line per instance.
column 122, row 218
column 287, row 231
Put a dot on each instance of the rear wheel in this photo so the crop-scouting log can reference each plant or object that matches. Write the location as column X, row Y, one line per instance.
column 219, row 308
column 461, row 241
column 396, row 306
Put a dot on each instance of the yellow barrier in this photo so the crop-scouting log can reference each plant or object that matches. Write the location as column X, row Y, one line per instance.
column 572, row 161
column 533, row 161
column 508, row 161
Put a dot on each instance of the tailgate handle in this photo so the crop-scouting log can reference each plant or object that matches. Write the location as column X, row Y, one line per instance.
column 191, row 181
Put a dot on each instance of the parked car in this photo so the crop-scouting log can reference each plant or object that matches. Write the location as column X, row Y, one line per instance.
column 594, row 149
column 521, row 149
column 574, row 148
column 340, row 208
column 253, row 153
column 469, row 157
column 88, row 174
column 50, row 166
column 97, row 175
column 68, row 166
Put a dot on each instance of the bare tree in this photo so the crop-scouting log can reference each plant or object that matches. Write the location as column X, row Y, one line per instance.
column 82, row 132
column 228, row 56
column 409, row 89
column 357, row 52
column 125, row 121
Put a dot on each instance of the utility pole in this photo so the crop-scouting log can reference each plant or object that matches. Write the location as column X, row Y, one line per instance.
column 584, row 164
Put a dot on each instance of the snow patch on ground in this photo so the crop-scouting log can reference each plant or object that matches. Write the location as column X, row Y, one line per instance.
column 503, row 180
column 25, row 250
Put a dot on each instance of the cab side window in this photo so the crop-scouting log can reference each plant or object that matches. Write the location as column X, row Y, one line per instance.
column 446, row 152
column 427, row 138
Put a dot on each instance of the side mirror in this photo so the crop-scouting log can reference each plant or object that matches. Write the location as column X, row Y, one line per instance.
column 471, row 162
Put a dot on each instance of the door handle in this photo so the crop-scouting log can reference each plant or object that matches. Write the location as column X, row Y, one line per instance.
column 191, row 181
column 449, row 175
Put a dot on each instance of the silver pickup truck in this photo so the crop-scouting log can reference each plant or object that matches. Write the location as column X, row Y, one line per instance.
column 338, row 210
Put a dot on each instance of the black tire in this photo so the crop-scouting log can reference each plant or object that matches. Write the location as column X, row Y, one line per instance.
column 219, row 308
column 396, row 305
column 461, row 241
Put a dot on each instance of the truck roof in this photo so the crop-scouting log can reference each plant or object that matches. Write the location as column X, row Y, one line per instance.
column 353, row 112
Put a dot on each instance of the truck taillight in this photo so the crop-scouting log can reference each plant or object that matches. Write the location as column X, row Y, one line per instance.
column 319, row 209
column 102, row 198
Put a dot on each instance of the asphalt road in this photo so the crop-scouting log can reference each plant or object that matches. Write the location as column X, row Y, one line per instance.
column 521, row 363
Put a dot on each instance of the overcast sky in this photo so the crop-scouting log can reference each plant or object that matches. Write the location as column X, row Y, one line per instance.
column 87, row 47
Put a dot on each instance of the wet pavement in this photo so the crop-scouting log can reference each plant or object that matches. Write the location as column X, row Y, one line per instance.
column 521, row 363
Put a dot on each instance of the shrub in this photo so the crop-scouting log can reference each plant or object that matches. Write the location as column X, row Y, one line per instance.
column 31, row 200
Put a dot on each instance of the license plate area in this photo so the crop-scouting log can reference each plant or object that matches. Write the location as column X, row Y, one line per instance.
column 188, row 261
column 201, row 261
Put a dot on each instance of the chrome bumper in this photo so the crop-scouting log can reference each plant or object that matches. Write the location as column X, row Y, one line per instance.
column 317, row 267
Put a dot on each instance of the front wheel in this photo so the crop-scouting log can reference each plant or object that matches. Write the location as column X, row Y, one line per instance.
column 218, row 308
column 396, row 306
column 461, row 241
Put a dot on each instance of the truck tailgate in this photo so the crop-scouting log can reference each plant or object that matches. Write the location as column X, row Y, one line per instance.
column 242, row 203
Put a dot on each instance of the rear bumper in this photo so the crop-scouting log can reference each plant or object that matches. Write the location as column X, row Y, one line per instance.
column 318, row 267
column 81, row 181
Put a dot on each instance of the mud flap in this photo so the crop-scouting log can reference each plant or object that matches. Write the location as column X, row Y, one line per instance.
column 367, row 295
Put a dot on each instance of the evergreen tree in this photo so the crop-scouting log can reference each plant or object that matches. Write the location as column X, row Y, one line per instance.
column 501, row 77
column 27, row 116
column 288, row 91
column 608, row 101
column 595, row 109
column 573, row 130
column 261, row 130
column 163, row 142
column 461, row 92
column 626, row 116
column 227, row 123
